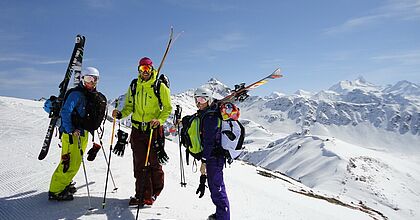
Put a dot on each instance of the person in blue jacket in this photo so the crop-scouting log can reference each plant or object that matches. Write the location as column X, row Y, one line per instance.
column 61, row 186
column 213, row 159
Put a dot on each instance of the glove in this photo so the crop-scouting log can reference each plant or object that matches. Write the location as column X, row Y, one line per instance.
column 159, row 146
column 162, row 156
column 117, row 114
column 121, row 142
column 202, row 186
column 65, row 160
column 93, row 151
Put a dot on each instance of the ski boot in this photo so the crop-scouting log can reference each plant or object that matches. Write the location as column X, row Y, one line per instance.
column 135, row 202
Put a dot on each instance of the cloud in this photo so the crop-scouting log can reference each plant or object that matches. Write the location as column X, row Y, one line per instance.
column 393, row 9
column 404, row 58
column 227, row 42
column 27, row 77
column 31, row 59
column 222, row 43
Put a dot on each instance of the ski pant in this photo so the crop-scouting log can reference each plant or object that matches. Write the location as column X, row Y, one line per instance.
column 214, row 167
column 150, row 179
column 59, row 179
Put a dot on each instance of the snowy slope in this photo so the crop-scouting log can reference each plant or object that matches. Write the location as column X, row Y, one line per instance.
column 253, row 193
column 356, row 141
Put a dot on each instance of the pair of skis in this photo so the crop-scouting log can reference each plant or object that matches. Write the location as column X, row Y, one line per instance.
column 75, row 66
column 240, row 93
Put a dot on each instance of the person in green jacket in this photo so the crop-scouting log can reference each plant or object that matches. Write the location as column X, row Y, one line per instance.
column 147, row 115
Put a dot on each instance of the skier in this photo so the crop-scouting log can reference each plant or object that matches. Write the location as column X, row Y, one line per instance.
column 147, row 116
column 213, row 156
column 61, row 186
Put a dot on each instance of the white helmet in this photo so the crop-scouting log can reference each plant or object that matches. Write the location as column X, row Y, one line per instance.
column 203, row 92
column 90, row 71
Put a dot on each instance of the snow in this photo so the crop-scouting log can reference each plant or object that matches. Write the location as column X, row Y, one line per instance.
column 25, row 181
column 350, row 152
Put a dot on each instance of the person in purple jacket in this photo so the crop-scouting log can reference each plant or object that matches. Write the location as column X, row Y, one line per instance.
column 213, row 159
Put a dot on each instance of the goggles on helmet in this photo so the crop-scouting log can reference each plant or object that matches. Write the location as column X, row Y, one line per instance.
column 90, row 79
column 201, row 99
column 145, row 68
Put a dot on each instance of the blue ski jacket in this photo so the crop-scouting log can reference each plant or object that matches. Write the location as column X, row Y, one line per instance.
column 74, row 104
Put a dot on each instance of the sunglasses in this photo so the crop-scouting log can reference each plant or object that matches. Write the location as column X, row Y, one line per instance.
column 145, row 69
column 201, row 99
column 90, row 79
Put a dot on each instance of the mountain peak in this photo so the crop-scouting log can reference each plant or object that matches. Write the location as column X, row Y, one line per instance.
column 343, row 87
column 404, row 88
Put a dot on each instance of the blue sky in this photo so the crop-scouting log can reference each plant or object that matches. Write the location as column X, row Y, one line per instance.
column 316, row 43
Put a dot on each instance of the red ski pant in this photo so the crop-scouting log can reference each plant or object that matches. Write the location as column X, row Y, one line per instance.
column 149, row 179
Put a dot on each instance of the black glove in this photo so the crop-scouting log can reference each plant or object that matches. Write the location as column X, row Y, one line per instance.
column 162, row 156
column 119, row 115
column 202, row 185
column 121, row 142
column 159, row 146
column 93, row 151
column 65, row 160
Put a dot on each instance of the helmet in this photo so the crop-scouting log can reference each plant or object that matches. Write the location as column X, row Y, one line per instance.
column 90, row 74
column 203, row 92
column 145, row 61
column 90, row 71
column 229, row 111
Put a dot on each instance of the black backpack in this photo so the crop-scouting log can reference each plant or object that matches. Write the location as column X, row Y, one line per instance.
column 95, row 109
column 156, row 88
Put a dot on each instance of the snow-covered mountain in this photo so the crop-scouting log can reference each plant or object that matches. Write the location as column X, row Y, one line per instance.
column 356, row 140
column 254, row 193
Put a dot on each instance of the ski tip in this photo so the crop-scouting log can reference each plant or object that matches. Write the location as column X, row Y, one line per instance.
column 276, row 74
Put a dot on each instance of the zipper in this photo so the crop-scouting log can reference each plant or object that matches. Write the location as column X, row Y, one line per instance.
column 142, row 116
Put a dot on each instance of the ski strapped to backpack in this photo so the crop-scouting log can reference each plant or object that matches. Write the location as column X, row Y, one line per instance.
column 231, row 130
column 159, row 78
column 75, row 63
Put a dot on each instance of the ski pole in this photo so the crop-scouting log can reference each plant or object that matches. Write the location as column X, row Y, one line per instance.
column 106, row 161
column 178, row 112
column 84, row 171
column 146, row 164
column 110, row 153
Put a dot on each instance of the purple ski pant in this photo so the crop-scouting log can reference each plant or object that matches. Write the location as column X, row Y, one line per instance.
column 214, row 167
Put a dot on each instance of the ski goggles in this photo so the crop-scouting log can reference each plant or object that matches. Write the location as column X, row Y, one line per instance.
column 201, row 99
column 145, row 68
column 90, row 79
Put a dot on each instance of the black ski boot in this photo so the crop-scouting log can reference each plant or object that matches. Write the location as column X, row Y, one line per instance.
column 212, row 217
column 63, row 196
column 135, row 202
column 71, row 188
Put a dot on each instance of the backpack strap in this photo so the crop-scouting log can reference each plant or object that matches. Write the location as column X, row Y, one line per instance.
column 133, row 88
column 156, row 89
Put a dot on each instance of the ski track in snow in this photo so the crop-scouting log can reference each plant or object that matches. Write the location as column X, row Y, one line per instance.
column 25, row 181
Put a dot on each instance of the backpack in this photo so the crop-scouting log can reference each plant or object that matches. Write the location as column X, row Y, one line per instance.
column 96, row 105
column 95, row 108
column 232, row 134
column 190, row 136
column 156, row 88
